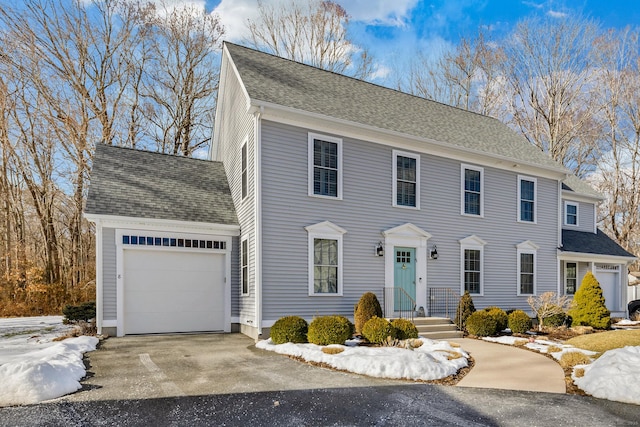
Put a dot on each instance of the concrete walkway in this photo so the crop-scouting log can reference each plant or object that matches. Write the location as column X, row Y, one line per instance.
column 505, row 367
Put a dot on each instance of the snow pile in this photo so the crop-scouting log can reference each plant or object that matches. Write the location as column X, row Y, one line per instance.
column 627, row 322
column 33, row 367
column 541, row 346
column 431, row 361
column 613, row 376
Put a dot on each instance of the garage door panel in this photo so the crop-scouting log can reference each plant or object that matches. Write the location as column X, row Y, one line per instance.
column 173, row 291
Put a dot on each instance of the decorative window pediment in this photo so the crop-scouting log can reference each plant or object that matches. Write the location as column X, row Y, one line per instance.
column 325, row 228
column 527, row 245
column 472, row 240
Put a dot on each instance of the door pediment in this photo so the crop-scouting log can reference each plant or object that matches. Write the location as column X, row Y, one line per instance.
column 407, row 230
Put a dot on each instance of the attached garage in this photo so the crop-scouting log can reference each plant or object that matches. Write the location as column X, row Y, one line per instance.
column 173, row 291
column 166, row 228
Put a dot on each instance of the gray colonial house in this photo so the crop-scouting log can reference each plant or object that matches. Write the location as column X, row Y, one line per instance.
column 319, row 188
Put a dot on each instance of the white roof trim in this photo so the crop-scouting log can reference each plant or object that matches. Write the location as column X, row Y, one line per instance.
column 586, row 257
column 113, row 221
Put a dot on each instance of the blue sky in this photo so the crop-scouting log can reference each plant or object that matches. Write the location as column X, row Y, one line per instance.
column 394, row 29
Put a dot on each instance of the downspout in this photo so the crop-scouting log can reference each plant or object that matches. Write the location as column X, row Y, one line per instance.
column 257, row 206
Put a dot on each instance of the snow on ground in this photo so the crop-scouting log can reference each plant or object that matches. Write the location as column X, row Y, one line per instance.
column 613, row 376
column 431, row 361
column 33, row 367
column 627, row 322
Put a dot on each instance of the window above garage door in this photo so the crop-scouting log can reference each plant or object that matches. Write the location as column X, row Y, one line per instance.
column 175, row 242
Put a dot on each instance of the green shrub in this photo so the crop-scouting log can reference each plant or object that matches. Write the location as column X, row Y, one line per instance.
column 289, row 329
column 85, row 311
column 327, row 330
column 367, row 307
column 404, row 329
column 481, row 324
column 377, row 329
column 502, row 321
column 588, row 306
column 555, row 320
column 465, row 309
column 519, row 322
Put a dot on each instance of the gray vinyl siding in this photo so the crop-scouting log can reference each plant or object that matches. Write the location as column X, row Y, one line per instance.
column 366, row 210
column 236, row 128
column 109, row 290
column 585, row 217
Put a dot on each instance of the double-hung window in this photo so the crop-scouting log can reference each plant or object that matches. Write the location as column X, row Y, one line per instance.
column 243, row 166
column 325, row 166
column 570, row 213
column 406, row 179
column 570, row 278
column 527, row 267
column 527, row 199
column 472, row 178
column 244, row 267
column 325, row 259
column 472, row 260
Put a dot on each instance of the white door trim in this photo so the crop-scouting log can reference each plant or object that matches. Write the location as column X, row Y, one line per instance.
column 411, row 236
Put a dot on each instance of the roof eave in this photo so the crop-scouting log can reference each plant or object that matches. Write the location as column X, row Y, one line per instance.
column 570, row 194
column 294, row 116
column 117, row 221
column 591, row 257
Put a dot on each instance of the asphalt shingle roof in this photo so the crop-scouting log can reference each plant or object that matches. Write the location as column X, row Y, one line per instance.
column 272, row 79
column 590, row 243
column 142, row 184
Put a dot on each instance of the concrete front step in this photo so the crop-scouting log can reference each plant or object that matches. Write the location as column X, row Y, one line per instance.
column 437, row 328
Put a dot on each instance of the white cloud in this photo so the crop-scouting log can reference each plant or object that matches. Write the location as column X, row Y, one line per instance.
column 384, row 12
column 556, row 14
column 234, row 15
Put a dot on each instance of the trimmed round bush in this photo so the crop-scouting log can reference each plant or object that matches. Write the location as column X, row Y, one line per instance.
column 367, row 307
column 502, row 320
column 404, row 329
column 289, row 329
column 327, row 330
column 377, row 329
column 555, row 320
column 519, row 322
column 481, row 324
column 465, row 309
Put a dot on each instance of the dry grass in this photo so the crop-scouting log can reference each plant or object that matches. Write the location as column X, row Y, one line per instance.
column 332, row 350
column 579, row 373
column 520, row 343
column 451, row 355
column 573, row 358
column 604, row 341
column 553, row 349
column 454, row 344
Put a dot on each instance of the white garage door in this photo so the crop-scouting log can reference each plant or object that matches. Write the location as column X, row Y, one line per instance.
column 169, row 291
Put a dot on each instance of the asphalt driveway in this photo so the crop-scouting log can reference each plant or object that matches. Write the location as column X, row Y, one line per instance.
column 203, row 380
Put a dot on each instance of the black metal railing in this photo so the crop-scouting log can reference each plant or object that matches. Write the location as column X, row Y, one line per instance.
column 398, row 303
column 443, row 302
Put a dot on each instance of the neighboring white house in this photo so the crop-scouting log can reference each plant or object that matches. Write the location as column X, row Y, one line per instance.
column 322, row 187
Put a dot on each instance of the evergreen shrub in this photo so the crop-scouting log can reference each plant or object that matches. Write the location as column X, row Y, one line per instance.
column 289, row 329
column 555, row 320
column 588, row 306
column 83, row 312
column 502, row 321
column 481, row 324
column 327, row 330
column 377, row 329
column 404, row 329
column 367, row 307
column 519, row 322
column 465, row 309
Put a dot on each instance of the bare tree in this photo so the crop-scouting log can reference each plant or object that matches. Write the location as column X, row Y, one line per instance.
column 313, row 32
column 551, row 86
column 548, row 304
column 617, row 58
column 181, row 77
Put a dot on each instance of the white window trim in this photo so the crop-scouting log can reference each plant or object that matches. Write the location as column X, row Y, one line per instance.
column 535, row 198
column 463, row 167
column 242, row 242
column 564, row 273
column 475, row 243
column 527, row 247
column 338, row 141
column 394, row 183
column 577, row 205
column 324, row 230
column 244, row 172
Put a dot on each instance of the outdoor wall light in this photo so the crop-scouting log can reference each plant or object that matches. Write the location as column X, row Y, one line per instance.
column 379, row 249
column 434, row 252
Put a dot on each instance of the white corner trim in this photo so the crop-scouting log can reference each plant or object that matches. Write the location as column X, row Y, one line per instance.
column 99, row 279
column 257, row 212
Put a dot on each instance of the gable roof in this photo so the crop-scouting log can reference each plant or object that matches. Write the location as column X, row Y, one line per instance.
column 142, row 184
column 591, row 243
column 578, row 186
column 271, row 80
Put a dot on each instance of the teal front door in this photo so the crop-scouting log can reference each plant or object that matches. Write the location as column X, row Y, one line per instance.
column 404, row 277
